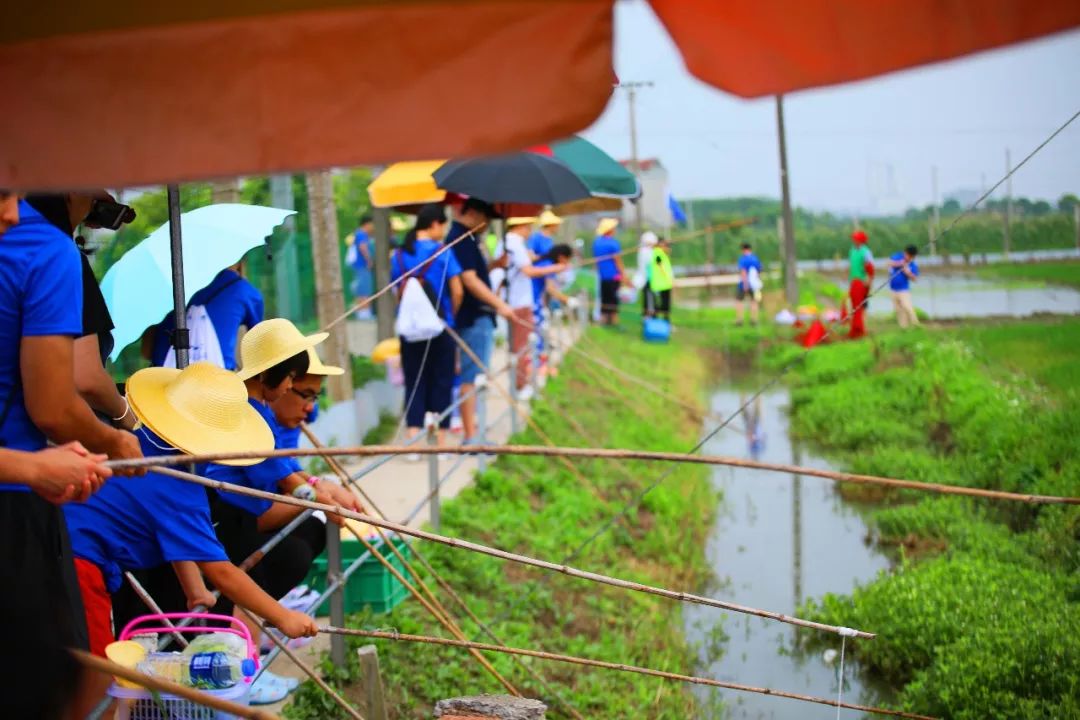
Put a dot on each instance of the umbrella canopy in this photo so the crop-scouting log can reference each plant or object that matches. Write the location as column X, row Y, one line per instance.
column 138, row 288
column 522, row 177
column 602, row 174
column 406, row 183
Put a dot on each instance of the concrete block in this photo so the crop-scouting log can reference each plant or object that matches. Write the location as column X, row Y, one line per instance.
column 491, row 707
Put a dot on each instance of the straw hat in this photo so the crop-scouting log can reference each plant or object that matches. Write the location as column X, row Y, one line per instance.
column 398, row 223
column 200, row 409
column 550, row 219
column 515, row 221
column 391, row 347
column 271, row 342
column 316, row 367
column 606, row 225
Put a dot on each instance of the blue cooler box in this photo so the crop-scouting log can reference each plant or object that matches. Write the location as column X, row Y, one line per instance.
column 656, row 330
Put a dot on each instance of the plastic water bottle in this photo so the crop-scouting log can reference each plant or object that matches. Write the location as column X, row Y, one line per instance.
column 210, row 671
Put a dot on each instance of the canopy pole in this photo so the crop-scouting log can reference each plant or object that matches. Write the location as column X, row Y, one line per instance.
column 181, row 342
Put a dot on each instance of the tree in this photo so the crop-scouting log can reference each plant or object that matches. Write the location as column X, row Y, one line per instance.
column 1066, row 203
column 951, row 207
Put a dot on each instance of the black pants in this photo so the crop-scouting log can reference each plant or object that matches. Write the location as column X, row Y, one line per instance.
column 40, row 613
column 284, row 567
column 429, row 383
column 656, row 304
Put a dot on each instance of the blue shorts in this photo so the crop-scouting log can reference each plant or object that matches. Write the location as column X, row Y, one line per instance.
column 362, row 283
column 479, row 337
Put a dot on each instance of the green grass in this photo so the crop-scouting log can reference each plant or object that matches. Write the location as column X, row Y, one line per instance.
column 981, row 617
column 535, row 506
column 1049, row 273
column 384, row 431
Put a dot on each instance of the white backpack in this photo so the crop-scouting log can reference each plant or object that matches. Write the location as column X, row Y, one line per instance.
column 202, row 337
column 417, row 318
column 753, row 279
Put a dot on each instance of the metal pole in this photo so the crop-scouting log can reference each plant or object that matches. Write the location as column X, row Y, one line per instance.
column 791, row 283
column 1008, row 202
column 936, row 226
column 481, row 422
column 513, row 393
column 638, row 216
column 337, row 600
column 433, row 478
column 181, row 341
column 384, row 306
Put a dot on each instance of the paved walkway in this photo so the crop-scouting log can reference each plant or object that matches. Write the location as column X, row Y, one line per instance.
column 398, row 486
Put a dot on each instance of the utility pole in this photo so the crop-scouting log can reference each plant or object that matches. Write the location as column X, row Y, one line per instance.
column 935, row 228
column 225, row 191
column 1008, row 202
column 384, row 304
column 329, row 293
column 1076, row 224
column 635, row 166
column 791, row 282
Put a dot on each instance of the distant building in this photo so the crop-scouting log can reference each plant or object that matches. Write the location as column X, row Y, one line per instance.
column 653, row 177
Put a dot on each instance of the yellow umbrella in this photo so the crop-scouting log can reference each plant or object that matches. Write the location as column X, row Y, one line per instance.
column 406, row 183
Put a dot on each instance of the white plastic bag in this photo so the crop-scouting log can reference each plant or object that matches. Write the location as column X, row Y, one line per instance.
column 417, row 320
column 203, row 339
column 753, row 279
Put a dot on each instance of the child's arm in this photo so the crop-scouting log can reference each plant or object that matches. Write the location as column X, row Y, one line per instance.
column 238, row 586
column 191, row 580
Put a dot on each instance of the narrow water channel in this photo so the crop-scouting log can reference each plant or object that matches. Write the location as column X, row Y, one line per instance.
column 778, row 539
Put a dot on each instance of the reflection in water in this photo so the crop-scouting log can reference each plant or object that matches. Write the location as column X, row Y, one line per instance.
column 777, row 540
column 755, row 432
column 957, row 296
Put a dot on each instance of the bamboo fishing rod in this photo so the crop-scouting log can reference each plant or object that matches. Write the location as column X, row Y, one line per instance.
column 621, row 667
column 603, row 453
column 505, row 555
column 690, row 236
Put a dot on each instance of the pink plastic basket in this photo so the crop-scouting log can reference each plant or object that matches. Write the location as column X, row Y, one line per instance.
column 138, row 704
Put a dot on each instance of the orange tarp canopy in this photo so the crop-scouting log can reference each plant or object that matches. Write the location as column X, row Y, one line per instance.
column 130, row 92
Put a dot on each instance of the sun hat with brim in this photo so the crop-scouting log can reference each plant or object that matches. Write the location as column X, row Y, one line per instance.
column 201, row 409
column 515, row 221
column 550, row 219
column 386, row 349
column 606, row 225
column 316, row 366
column 272, row 342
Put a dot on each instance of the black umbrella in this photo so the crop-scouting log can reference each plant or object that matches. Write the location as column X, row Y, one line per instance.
column 522, row 177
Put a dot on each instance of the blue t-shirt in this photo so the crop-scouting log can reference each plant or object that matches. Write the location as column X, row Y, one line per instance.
column 362, row 239
column 286, row 437
column 606, row 245
column 136, row 523
column 262, row 476
column 233, row 302
column 540, row 245
column 898, row 281
column 438, row 272
column 469, row 256
column 747, row 261
column 40, row 294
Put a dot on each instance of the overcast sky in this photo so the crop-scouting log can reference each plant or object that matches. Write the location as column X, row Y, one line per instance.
column 860, row 147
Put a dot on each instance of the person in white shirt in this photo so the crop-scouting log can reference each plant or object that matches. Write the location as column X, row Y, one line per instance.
column 512, row 280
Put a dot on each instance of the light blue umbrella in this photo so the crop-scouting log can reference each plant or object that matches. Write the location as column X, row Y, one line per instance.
column 138, row 288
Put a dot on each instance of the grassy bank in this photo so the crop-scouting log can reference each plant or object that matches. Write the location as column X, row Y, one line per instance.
column 980, row 618
column 1049, row 273
column 535, row 506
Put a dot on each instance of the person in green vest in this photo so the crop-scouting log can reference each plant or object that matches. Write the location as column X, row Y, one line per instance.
column 861, row 274
column 660, row 278
column 491, row 240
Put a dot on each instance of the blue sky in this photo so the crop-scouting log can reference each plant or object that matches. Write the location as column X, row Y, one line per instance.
column 861, row 147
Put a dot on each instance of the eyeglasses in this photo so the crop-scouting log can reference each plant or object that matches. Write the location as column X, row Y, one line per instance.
column 308, row 396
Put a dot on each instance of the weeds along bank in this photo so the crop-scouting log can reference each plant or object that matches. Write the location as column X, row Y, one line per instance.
column 537, row 507
column 980, row 618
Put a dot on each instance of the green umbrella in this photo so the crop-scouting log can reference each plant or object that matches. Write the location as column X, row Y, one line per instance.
column 607, row 180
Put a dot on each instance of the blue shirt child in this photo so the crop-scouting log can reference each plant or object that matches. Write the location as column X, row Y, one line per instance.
column 606, row 246
column 137, row 523
column 361, row 239
column 898, row 281
column 438, row 272
column 40, row 295
column 747, row 261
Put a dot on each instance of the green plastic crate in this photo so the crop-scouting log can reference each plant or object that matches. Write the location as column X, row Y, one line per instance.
column 370, row 585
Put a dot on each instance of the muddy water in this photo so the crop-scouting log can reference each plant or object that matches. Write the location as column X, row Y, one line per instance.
column 778, row 539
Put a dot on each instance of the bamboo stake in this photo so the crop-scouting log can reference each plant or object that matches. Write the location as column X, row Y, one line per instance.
column 622, row 667
column 304, row 666
column 605, row 453
column 154, row 607
column 504, row 555
column 344, row 476
column 107, row 667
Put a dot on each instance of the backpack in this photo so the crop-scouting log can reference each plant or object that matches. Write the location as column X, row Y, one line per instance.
column 420, row 314
column 205, row 345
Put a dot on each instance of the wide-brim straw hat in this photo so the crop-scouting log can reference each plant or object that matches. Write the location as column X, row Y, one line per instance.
column 386, row 349
column 272, row 342
column 606, row 225
column 201, row 409
column 521, row 220
column 550, row 219
column 316, row 366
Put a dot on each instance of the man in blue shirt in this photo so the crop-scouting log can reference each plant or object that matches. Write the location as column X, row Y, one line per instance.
column 902, row 270
column 360, row 256
column 475, row 318
column 231, row 302
column 749, row 284
column 610, row 273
